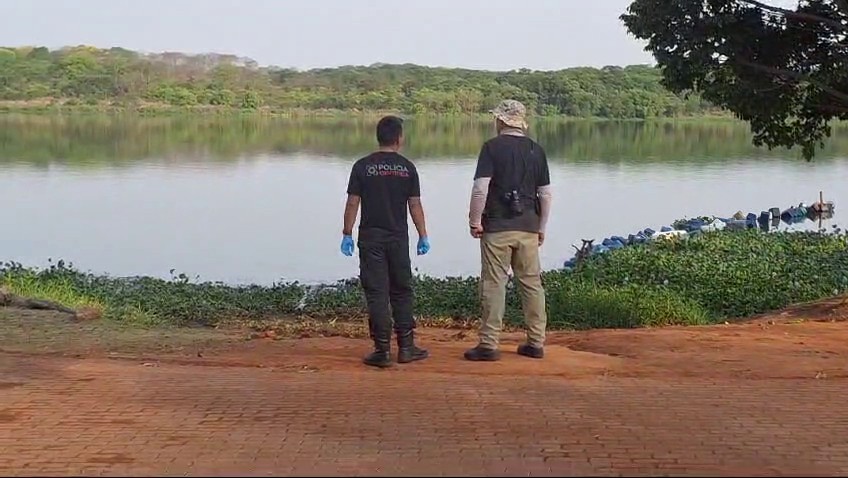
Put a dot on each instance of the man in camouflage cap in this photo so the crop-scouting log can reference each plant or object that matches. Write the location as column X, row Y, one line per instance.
column 510, row 204
column 511, row 113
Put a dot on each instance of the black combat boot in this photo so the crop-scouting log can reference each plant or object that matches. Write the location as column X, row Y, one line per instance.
column 407, row 351
column 481, row 353
column 531, row 351
column 381, row 356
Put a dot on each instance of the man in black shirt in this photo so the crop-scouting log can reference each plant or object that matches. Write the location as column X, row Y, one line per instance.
column 510, row 204
column 385, row 184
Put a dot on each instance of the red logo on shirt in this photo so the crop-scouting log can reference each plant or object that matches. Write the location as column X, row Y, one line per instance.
column 397, row 170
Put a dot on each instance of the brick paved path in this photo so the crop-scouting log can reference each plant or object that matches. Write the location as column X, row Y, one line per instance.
column 60, row 417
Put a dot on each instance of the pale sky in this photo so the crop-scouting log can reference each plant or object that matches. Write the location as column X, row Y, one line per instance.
column 490, row 34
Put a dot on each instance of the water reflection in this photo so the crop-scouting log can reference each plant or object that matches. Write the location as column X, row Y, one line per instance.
column 82, row 141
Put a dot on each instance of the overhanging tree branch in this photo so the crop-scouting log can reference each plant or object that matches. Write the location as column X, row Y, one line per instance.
column 809, row 17
column 843, row 6
column 793, row 58
column 843, row 97
column 841, row 110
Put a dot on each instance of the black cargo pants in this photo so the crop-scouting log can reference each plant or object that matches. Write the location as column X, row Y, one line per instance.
column 385, row 271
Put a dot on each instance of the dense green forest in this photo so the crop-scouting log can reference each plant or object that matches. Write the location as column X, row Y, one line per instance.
column 125, row 79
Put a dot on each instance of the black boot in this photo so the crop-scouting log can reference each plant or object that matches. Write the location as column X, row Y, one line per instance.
column 482, row 354
column 381, row 356
column 407, row 351
column 528, row 350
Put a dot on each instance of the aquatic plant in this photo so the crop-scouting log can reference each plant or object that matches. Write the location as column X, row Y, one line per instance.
column 706, row 279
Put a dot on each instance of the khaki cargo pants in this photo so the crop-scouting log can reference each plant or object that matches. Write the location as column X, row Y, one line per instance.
column 520, row 250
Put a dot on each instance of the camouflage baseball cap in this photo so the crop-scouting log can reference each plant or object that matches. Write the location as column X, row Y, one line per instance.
column 512, row 113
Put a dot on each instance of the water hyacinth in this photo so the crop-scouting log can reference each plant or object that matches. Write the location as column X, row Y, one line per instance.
column 705, row 279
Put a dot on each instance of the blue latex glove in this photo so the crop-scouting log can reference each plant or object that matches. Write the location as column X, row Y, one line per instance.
column 423, row 246
column 347, row 245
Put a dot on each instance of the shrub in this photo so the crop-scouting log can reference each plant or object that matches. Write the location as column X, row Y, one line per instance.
column 585, row 305
column 250, row 100
column 733, row 274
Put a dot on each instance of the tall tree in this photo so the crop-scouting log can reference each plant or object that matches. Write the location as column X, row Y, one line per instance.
column 784, row 70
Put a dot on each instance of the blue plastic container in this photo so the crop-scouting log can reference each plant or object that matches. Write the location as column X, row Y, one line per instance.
column 764, row 220
column 638, row 238
column 613, row 245
column 599, row 249
column 693, row 225
column 737, row 225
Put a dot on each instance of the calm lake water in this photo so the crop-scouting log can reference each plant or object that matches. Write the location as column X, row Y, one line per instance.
column 249, row 200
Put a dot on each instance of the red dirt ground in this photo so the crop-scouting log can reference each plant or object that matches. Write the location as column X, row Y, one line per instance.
column 762, row 398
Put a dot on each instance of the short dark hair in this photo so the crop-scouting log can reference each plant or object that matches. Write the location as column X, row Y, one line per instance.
column 389, row 130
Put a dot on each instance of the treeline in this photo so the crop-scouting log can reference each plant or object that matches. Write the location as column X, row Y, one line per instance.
column 123, row 78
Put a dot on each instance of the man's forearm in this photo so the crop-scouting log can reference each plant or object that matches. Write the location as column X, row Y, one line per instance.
column 416, row 210
column 545, row 200
column 478, row 201
column 350, row 212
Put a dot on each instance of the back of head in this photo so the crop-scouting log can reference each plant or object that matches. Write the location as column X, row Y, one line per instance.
column 389, row 131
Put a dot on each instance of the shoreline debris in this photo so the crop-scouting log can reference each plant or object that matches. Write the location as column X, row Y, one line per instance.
column 683, row 229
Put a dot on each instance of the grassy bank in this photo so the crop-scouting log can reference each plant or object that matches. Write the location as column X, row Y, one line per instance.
column 712, row 278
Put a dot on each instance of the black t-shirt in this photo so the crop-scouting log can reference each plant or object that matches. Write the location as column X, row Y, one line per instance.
column 385, row 181
column 512, row 162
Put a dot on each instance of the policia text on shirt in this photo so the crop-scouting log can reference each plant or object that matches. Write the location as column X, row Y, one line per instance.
column 385, row 184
